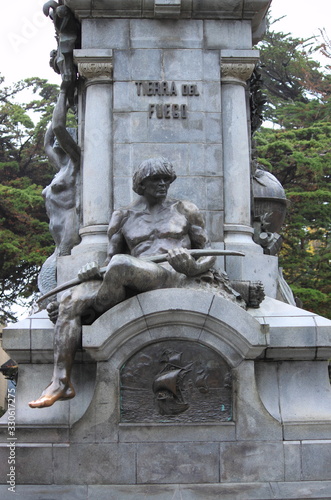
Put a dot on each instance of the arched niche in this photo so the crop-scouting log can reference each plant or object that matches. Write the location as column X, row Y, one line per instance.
column 177, row 320
column 184, row 314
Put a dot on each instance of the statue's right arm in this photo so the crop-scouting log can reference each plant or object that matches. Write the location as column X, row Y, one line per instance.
column 59, row 119
column 116, row 240
column 51, row 4
column 48, row 146
column 116, row 244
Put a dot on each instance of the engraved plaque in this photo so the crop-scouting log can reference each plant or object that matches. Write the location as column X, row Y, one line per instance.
column 176, row 381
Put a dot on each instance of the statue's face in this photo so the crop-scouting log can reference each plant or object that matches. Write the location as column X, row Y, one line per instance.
column 156, row 187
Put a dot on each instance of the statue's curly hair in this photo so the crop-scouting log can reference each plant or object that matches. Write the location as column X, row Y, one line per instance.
column 150, row 167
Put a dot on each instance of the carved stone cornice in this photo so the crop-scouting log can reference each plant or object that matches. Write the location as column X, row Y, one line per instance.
column 236, row 72
column 164, row 8
column 96, row 71
column 96, row 66
column 254, row 10
column 238, row 65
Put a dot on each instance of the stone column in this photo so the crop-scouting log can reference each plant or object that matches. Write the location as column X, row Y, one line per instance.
column 96, row 67
column 237, row 67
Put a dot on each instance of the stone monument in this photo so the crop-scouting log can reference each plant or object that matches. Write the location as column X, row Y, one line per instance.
column 174, row 376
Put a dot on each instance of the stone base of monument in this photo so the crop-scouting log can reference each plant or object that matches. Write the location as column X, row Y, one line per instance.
column 180, row 395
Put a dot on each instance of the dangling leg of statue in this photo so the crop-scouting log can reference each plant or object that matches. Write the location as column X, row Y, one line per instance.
column 123, row 271
column 67, row 339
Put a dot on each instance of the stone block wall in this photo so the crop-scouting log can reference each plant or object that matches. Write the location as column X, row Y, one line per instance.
column 275, row 446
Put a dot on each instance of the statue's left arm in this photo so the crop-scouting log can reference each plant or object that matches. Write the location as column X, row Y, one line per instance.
column 116, row 240
column 180, row 259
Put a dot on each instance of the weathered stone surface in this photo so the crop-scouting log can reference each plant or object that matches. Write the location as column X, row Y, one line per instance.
column 293, row 332
column 112, row 33
column 252, row 461
column 32, row 492
column 110, row 463
column 129, row 433
column 253, row 422
column 165, row 35
column 315, row 490
column 231, row 9
column 292, row 456
column 228, row 34
column 298, row 394
column 316, row 460
column 178, row 463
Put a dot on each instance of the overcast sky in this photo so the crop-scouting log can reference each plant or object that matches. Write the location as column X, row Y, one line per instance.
column 27, row 36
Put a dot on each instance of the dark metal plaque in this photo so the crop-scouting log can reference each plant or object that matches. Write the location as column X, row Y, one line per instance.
column 176, row 381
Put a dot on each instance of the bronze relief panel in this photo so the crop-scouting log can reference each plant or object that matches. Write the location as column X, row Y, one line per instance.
column 176, row 381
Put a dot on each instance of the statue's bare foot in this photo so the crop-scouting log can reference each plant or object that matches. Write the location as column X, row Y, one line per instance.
column 56, row 391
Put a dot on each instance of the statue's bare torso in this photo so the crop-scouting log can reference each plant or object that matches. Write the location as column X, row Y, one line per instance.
column 142, row 231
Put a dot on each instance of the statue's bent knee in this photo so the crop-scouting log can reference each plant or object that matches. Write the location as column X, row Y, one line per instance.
column 66, row 302
column 119, row 264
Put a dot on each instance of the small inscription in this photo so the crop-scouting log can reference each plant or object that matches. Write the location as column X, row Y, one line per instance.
column 168, row 111
column 166, row 89
column 156, row 88
column 190, row 90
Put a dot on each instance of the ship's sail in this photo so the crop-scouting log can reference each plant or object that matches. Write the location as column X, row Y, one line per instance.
column 167, row 381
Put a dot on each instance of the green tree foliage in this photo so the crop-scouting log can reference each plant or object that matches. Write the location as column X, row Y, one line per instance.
column 25, row 241
column 298, row 152
column 295, row 84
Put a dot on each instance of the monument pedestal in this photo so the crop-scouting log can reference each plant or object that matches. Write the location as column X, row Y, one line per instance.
column 268, row 436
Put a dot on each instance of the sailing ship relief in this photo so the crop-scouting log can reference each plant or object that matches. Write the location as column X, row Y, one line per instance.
column 176, row 381
column 167, row 385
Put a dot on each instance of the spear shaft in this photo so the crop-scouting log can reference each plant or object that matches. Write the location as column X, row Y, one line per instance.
column 154, row 258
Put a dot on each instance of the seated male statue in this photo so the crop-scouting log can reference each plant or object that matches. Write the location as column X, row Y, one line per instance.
column 150, row 226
